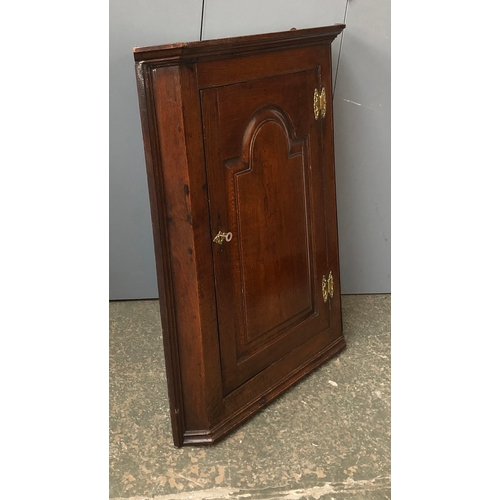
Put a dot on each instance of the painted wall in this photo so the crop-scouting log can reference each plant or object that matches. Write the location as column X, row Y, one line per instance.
column 135, row 23
column 362, row 162
column 362, row 114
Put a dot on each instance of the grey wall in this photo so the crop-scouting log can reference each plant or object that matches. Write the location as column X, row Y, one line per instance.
column 362, row 148
column 362, row 130
column 135, row 23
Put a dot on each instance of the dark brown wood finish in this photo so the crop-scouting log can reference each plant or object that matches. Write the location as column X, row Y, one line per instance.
column 232, row 145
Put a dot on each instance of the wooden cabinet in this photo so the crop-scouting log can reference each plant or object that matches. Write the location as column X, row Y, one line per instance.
column 238, row 137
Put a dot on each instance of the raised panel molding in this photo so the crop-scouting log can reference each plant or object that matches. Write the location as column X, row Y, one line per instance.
column 291, row 154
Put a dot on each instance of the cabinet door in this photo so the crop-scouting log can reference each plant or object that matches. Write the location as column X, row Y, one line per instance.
column 265, row 184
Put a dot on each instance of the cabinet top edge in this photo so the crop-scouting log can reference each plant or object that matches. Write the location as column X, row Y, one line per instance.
column 236, row 45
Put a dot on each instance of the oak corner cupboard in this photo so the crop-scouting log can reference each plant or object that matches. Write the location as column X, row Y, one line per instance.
column 238, row 139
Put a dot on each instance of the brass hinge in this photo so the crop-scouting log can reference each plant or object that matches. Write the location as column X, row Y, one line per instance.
column 319, row 103
column 327, row 287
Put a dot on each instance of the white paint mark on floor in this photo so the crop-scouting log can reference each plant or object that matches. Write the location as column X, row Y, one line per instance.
column 377, row 483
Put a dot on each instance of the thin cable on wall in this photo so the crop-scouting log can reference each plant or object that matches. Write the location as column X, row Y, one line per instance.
column 202, row 15
column 340, row 49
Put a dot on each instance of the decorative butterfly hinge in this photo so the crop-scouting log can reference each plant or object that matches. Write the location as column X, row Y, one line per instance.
column 327, row 287
column 319, row 103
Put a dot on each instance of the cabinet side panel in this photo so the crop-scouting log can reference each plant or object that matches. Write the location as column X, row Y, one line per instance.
column 160, row 237
column 173, row 166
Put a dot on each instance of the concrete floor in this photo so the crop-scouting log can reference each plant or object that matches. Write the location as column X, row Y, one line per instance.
column 327, row 438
